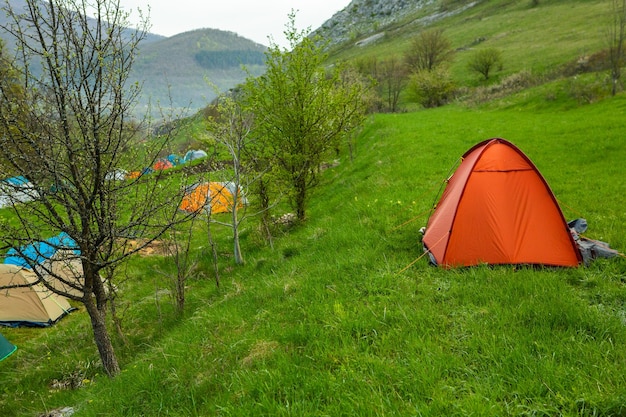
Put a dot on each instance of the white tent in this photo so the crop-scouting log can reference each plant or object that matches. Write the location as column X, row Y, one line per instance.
column 192, row 155
column 16, row 190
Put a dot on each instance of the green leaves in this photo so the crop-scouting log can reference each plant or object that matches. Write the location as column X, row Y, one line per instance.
column 303, row 110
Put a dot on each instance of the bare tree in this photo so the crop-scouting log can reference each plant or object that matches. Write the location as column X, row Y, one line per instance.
column 616, row 33
column 73, row 134
column 231, row 128
column 177, row 245
column 392, row 79
column 428, row 50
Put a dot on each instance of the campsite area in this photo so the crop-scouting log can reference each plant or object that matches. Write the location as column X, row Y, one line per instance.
column 343, row 314
column 325, row 323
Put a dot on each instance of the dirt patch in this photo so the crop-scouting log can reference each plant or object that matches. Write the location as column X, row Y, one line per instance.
column 155, row 248
column 261, row 350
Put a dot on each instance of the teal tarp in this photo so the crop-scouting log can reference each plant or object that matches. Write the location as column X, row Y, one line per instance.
column 39, row 252
column 6, row 348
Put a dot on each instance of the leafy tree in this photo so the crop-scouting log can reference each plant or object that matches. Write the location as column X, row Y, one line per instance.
column 616, row 35
column 74, row 132
column 484, row 61
column 431, row 88
column 302, row 110
column 428, row 50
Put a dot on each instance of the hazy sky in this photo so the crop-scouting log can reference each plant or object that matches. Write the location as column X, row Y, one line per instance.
column 252, row 19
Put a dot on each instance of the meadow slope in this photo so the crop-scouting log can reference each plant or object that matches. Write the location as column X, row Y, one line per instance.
column 329, row 322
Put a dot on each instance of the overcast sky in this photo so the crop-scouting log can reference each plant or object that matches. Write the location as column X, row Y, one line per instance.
column 252, row 19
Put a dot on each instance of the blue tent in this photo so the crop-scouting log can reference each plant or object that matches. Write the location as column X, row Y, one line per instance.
column 16, row 181
column 174, row 159
column 39, row 252
column 6, row 348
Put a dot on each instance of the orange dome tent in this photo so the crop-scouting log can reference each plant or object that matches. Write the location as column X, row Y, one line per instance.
column 218, row 197
column 498, row 209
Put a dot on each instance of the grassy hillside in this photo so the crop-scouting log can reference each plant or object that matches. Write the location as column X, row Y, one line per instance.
column 325, row 322
column 534, row 38
column 343, row 315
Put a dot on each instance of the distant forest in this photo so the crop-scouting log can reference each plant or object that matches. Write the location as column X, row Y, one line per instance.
column 229, row 59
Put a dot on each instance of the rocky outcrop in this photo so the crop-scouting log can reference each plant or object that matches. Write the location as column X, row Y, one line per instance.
column 365, row 21
column 363, row 18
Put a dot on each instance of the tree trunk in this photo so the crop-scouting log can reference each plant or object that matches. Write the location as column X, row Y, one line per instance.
column 301, row 189
column 264, row 202
column 213, row 250
column 237, row 247
column 101, row 337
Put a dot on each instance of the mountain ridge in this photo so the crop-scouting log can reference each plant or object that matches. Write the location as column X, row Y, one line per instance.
column 175, row 72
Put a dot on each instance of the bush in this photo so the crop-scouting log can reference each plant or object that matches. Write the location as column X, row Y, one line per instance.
column 509, row 85
column 587, row 63
column 431, row 88
column 585, row 90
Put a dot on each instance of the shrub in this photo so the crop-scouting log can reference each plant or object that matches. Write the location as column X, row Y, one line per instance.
column 596, row 62
column 509, row 85
column 431, row 88
column 586, row 90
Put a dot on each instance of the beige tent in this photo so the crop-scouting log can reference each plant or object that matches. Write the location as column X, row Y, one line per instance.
column 32, row 305
column 68, row 267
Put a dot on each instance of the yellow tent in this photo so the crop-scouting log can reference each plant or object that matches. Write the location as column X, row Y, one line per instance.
column 67, row 266
column 217, row 197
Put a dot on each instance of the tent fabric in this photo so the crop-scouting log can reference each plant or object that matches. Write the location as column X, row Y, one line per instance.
column 498, row 209
column 6, row 348
column 60, row 262
column 174, row 159
column 32, row 304
column 19, row 181
column 116, row 175
column 16, row 190
column 162, row 164
column 38, row 252
column 64, row 273
column 216, row 197
column 133, row 175
column 193, row 155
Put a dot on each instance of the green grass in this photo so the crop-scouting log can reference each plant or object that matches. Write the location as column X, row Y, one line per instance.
column 538, row 39
column 325, row 323
column 342, row 316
